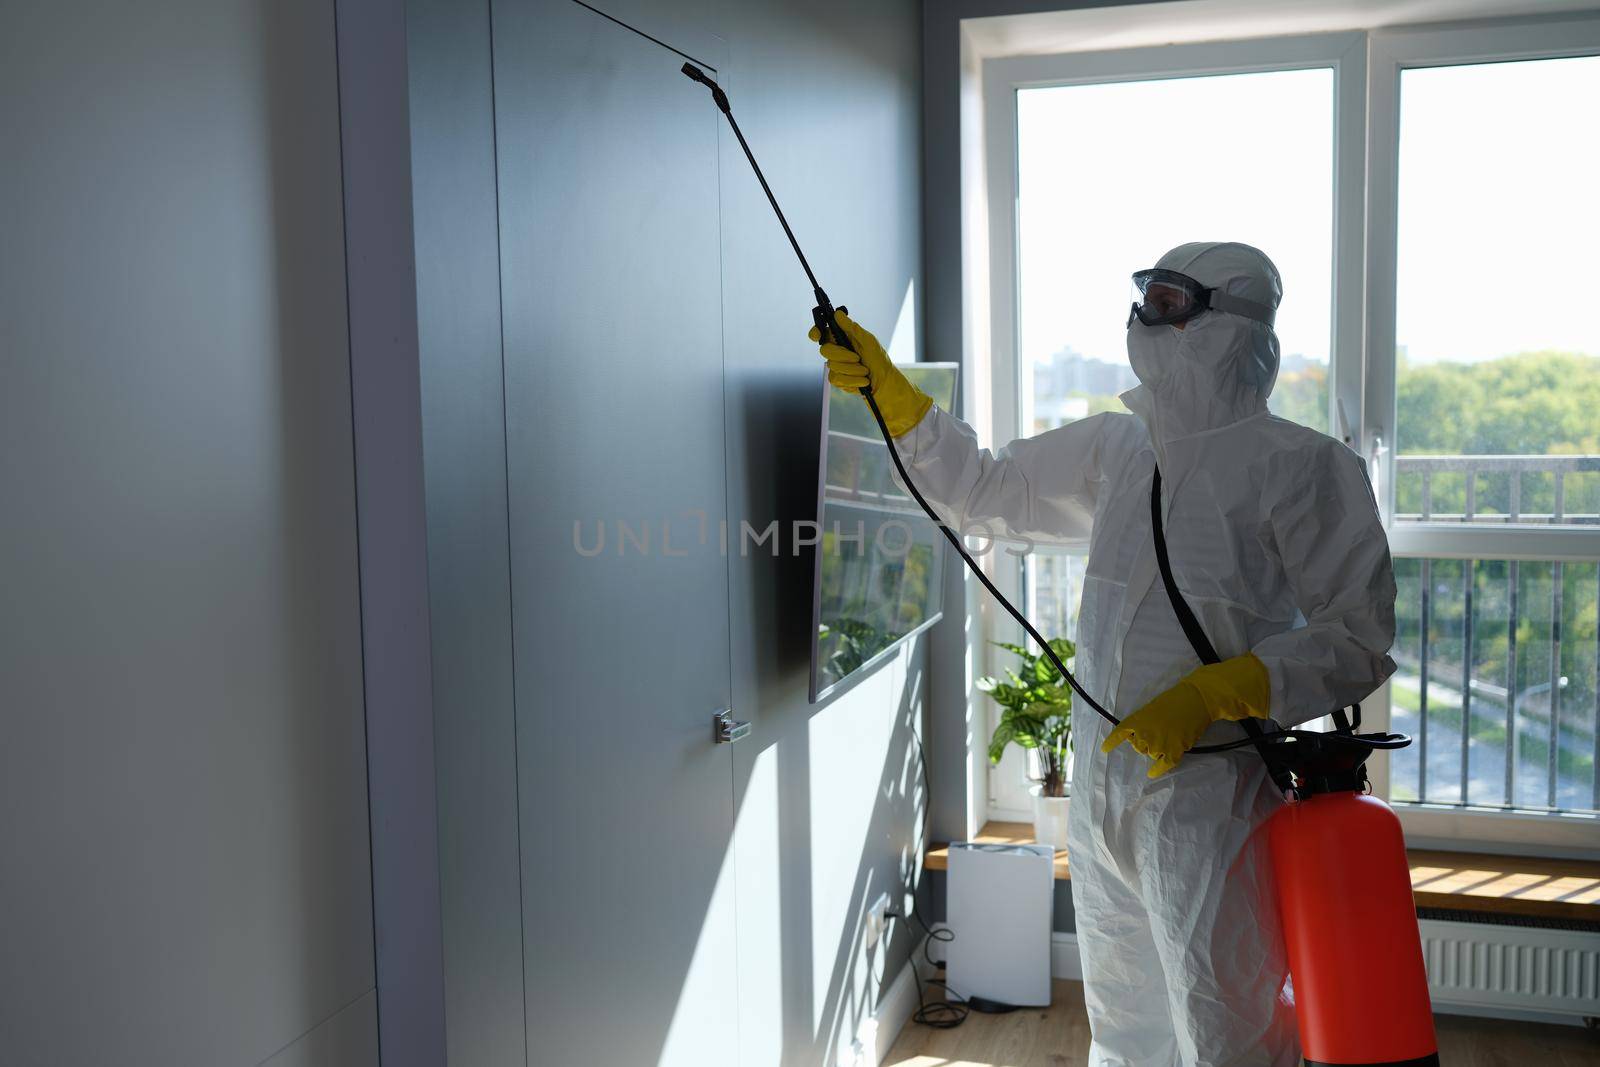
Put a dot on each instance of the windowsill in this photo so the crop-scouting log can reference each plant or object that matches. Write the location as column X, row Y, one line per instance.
column 1541, row 835
column 997, row 833
column 1457, row 881
column 1507, row 816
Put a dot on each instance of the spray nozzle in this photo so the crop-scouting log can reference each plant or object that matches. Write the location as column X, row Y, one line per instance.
column 696, row 74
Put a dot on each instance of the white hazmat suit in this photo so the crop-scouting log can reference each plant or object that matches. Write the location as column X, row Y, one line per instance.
column 1276, row 543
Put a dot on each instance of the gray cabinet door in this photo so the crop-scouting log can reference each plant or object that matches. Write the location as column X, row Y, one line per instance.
column 607, row 162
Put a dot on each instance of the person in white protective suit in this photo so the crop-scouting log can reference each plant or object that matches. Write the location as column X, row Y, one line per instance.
column 1275, row 541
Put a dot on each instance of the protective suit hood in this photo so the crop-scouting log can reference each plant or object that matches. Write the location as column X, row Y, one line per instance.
column 1221, row 367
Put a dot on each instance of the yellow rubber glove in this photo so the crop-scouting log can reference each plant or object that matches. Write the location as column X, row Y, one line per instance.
column 1172, row 723
column 903, row 404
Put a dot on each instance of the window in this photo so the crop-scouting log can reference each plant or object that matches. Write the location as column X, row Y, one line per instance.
column 1493, row 482
column 1498, row 394
column 1428, row 196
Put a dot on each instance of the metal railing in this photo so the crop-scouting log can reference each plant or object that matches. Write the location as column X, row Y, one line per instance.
column 1528, row 699
column 1428, row 468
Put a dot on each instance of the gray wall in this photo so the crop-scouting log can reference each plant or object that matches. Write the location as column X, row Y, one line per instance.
column 456, row 228
column 182, row 768
column 826, row 798
column 386, row 424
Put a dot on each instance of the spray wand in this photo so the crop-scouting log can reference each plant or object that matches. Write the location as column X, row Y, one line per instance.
column 1338, row 754
column 830, row 331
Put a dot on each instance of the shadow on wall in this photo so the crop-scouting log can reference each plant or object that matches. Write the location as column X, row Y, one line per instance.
column 861, row 976
column 826, row 866
column 819, row 1021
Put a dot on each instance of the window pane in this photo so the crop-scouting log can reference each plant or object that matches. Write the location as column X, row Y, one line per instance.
column 1498, row 348
column 1103, row 190
column 1519, row 640
column 1053, row 585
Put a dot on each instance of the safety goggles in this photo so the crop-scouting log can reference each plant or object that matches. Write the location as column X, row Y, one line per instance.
column 1165, row 297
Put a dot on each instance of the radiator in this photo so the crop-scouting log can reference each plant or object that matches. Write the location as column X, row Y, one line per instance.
column 1473, row 965
column 1523, row 968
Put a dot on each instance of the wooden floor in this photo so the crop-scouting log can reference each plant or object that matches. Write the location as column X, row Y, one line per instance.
column 1058, row 1036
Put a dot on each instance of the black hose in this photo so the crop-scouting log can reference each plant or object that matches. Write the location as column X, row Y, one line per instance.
column 829, row 329
column 1011, row 609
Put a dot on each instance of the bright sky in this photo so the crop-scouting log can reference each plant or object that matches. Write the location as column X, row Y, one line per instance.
column 1499, row 209
column 1499, row 215
column 1111, row 176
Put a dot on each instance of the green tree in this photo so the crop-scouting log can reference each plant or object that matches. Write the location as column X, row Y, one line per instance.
column 1302, row 396
column 1530, row 404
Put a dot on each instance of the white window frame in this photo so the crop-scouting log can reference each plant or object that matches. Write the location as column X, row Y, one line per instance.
column 1391, row 52
column 1362, row 397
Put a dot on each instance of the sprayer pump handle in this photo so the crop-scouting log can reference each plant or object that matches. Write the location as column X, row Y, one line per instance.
column 827, row 328
column 831, row 332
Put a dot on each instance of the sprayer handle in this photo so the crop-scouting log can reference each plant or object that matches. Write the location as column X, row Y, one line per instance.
column 828, row 329
column 830, row 332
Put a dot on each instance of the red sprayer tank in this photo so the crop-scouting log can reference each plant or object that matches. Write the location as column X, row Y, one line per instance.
column 1350, row 925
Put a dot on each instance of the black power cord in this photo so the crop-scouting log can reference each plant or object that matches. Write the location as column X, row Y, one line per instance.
column 951, row 1012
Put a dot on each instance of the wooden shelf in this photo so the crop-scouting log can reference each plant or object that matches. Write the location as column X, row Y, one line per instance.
column 1459, row 881
column 1507, row 885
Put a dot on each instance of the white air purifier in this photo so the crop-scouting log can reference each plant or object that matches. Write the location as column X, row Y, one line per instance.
column 998, row 907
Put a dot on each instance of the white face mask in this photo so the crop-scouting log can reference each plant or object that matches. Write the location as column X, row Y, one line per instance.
column 1153, row 351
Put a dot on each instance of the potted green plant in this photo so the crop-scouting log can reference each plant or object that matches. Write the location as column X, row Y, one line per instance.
column 1036, row 715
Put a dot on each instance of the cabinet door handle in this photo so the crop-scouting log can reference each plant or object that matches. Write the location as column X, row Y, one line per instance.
column 725, row 730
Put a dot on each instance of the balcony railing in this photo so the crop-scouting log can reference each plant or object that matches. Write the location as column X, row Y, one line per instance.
column 1467, row 505
column 1439, row 686
column 1497, row 681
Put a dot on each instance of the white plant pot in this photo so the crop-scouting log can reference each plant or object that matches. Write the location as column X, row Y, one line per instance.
column 1049, row 818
